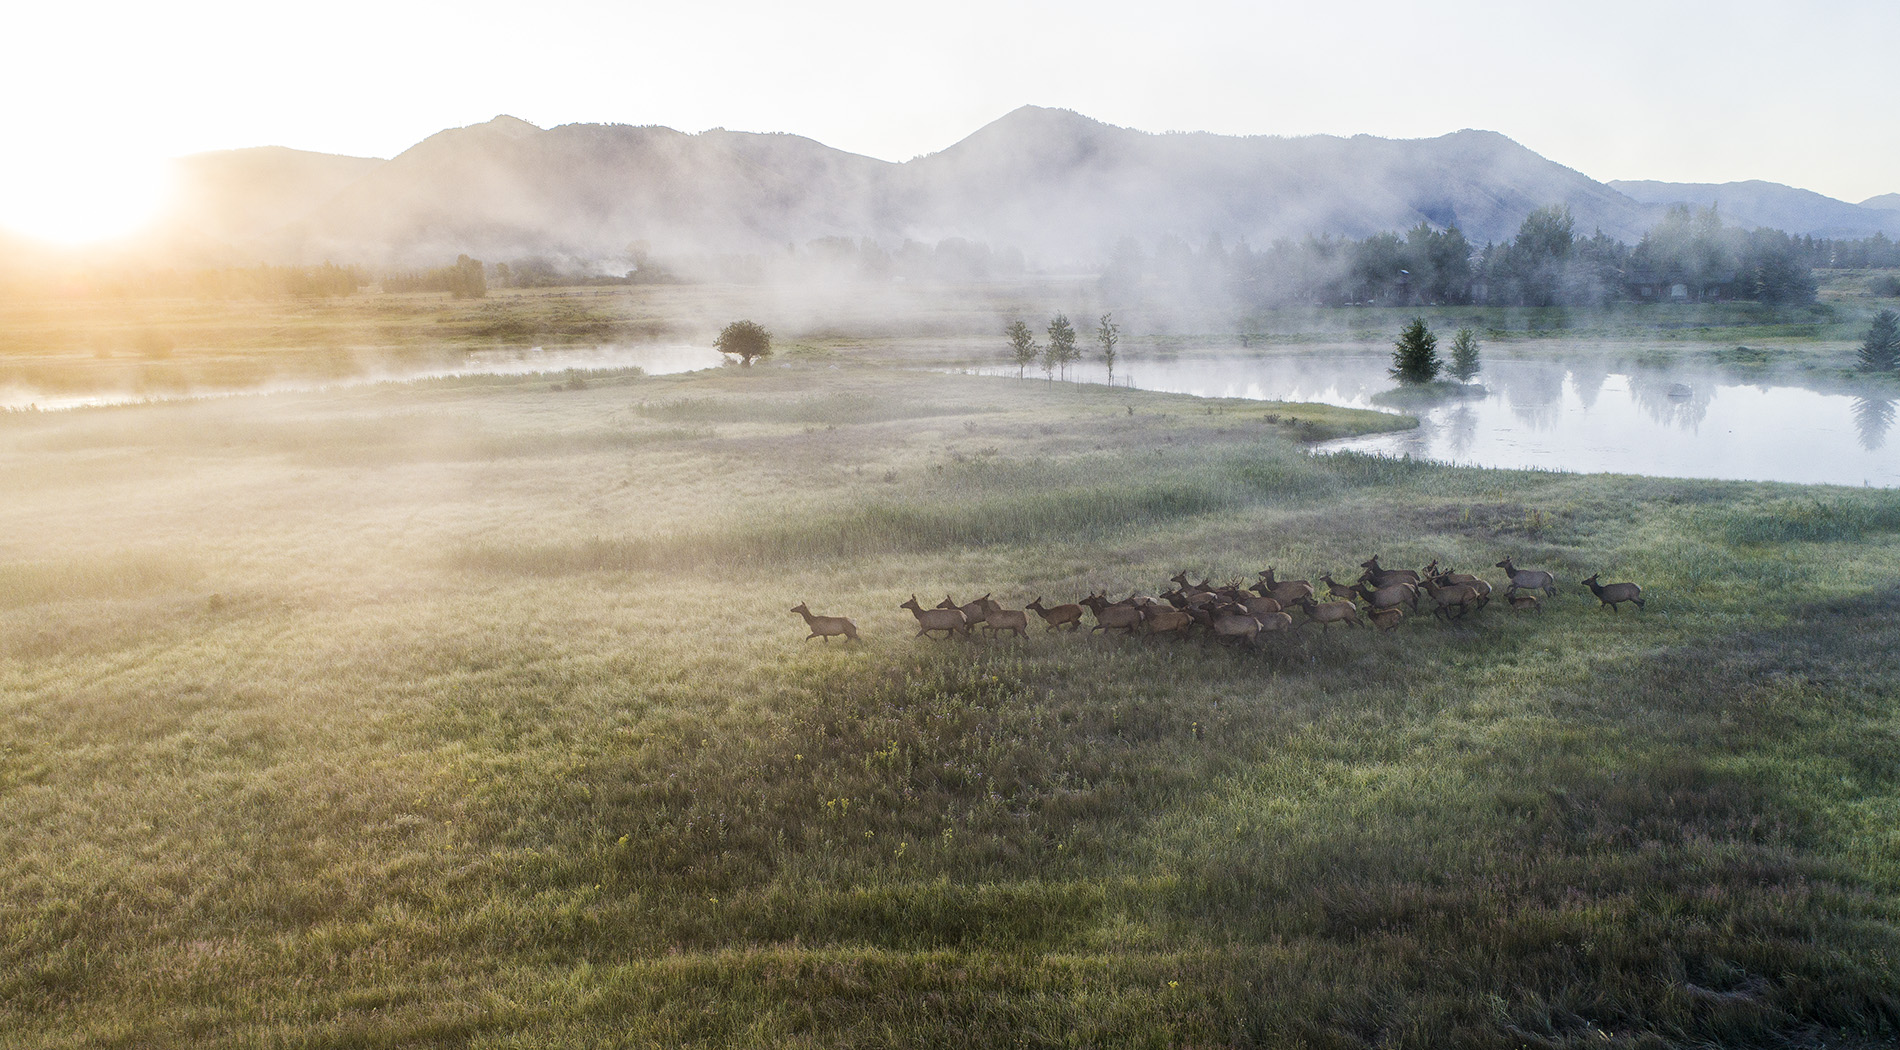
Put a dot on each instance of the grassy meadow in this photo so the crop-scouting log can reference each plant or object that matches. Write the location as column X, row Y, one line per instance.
column 469, row 713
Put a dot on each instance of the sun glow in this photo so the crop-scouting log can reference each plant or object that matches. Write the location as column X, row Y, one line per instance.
column 82, row 201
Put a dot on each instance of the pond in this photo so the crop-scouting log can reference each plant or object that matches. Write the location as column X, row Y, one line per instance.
column 1578, row 416
column 653, row 358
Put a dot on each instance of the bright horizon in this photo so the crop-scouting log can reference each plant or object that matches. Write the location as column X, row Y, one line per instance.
column 1682, row 93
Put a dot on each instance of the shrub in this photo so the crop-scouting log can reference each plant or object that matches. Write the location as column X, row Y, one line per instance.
column 744, row 340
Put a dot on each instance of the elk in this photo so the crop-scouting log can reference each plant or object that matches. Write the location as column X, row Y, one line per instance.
column 1234, row 627
column 1389, row 596
column 1462, row 596
column 827, row 627
column 1387, row 619
column 1380, row 577
column 1191, row 591
column 1448, row 577
column 1278, row 621
column 1259, row 607
column 1337, row 589
column 1328, row 613
column 1069, row 616
column 1437, row 575
column 996, row 618
column 1612, row 593
column 972, row 611
column 1527, row 603
column 1528, row 579
column 1286, row 592
column 949, row 621
column 1111, row 616
column 1167, row 621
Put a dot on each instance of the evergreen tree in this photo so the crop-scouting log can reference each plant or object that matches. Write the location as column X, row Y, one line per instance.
column 1022, row 346
column 1464, row 355
column 1881, row 351
column 1415, row 355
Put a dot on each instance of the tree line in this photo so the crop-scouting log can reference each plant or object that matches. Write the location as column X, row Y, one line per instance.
column 1690, row 256
column 1878, row 252
column 467, row 279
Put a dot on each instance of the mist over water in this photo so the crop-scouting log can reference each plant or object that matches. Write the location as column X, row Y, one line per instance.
column 651, row 358
column 1575, row 416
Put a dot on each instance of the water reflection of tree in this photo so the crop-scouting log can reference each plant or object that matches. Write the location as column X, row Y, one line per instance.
column 1589, row 384
column 1534, row 389
column 1873, row 416
column 1461, row 428
column 1670, row 401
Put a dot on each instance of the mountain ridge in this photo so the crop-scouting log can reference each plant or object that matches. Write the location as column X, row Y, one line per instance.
column 1753, row 202
column 1058, row 185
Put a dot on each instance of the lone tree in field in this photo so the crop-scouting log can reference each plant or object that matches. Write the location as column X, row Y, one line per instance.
column 1061, row 349
column 466, row 279
column 744, row 340
column 1881, row 351
column 1464, row 355
column 1108, row 333
column 1022, row 346
column 1415, row 355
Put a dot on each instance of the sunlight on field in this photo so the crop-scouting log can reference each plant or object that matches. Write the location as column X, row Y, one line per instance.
column 472, row 712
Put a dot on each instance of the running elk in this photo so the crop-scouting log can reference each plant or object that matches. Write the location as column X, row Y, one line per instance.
column 1460, row 596
column 1112, row 616
column 996, row 618
column 827, row 627
column 1528, row 579
column 1390, row 596
column 1612, row 593
column 949, row 621
column 973, row 612
column 1328, row 613
column 1387, row 619
column 1380, row 577
column 1069, row 616
column 1286, row 592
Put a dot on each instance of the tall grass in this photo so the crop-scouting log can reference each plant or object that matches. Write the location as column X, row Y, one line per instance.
column 1815, row 519
column 980, row 504
column 521, row 747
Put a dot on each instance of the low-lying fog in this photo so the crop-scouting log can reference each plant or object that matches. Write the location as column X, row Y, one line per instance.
column 1548, row 414
column 655, row 359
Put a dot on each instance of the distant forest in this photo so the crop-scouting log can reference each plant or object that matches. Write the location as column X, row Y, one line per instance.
column 1689, row 257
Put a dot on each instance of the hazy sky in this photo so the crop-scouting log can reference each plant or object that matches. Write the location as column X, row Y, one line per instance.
column 99, row 94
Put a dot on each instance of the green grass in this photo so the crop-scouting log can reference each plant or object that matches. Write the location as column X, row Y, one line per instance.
column 469, row 713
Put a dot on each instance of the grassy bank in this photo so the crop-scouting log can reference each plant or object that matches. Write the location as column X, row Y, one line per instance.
column 470, row 714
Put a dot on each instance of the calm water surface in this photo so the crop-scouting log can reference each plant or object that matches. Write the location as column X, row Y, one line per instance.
column 656, row 359
column 1582, row 417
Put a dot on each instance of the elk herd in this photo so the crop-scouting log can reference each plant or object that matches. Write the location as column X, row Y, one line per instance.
column 1378, row 597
